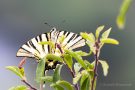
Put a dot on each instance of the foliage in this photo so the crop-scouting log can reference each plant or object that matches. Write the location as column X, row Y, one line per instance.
column 18, row 71
column 21, row 87
column 84, row 72
column 121, row 18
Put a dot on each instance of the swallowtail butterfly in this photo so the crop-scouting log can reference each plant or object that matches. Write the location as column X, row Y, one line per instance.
column 33, row 49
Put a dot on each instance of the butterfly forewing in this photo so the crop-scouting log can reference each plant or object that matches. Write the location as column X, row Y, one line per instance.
column 32, row 48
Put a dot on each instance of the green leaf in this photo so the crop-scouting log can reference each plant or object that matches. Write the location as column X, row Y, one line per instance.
column 56, row 86
column 120, row 21
column 90, row 40
column 77, row 67
column 56, row 75
column 61, row 39
column 92, row 48
column 22, row 71
column 40, row 70
column 84, row 76
column 65, row 84
column 85, row 36
column 109, row 41
column 91, row 72
column 89, row 65
column 21, row 87
column 68, row 60
column 81, row 53
column 106, row 33
column 50, row 43
column 90, row 37
column 122, row 14
column 61, row 84
column 77, row 57
column 47, row 78
column 85, row 82
column 76, row 78
column 99, row 29
column 105, row 67
column 19, row 72
column 54, row 57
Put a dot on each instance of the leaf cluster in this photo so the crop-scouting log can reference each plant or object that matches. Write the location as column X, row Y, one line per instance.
column 82, row 70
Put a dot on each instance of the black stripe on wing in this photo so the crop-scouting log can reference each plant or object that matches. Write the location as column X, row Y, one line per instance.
column 45, row 37
column 33, row 46
column 25, row 48
column 39, row 39
column 72, row 40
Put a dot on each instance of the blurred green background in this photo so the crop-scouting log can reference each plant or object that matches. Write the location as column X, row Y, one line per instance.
column 21, row 20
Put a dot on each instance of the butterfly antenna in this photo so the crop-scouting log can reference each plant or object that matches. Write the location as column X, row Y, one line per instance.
column 48, row 24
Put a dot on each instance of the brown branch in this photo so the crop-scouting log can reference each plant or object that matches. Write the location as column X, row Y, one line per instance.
column 76, row 86
column 22, row 62
column 71, row 71
column 96, row 57
column 29, row 85
column 41, row 86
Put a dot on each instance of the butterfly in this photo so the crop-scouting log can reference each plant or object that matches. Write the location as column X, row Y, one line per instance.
column 34, row 49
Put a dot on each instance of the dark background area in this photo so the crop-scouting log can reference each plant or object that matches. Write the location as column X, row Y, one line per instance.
column 21, row 20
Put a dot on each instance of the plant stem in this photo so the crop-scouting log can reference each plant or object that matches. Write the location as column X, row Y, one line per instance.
column 22, row 62
column 96, row 57
column 41, row 86
column 30, row 86
column 76, row 86
column 71, row 71
column 73, row 75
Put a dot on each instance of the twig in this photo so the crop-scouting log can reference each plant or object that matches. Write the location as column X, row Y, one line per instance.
column 73, row 75
column 96, row 56
column 41, row 86
column 22, row 62
column 71, row 71
column 29, row 85
column 76, row 86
